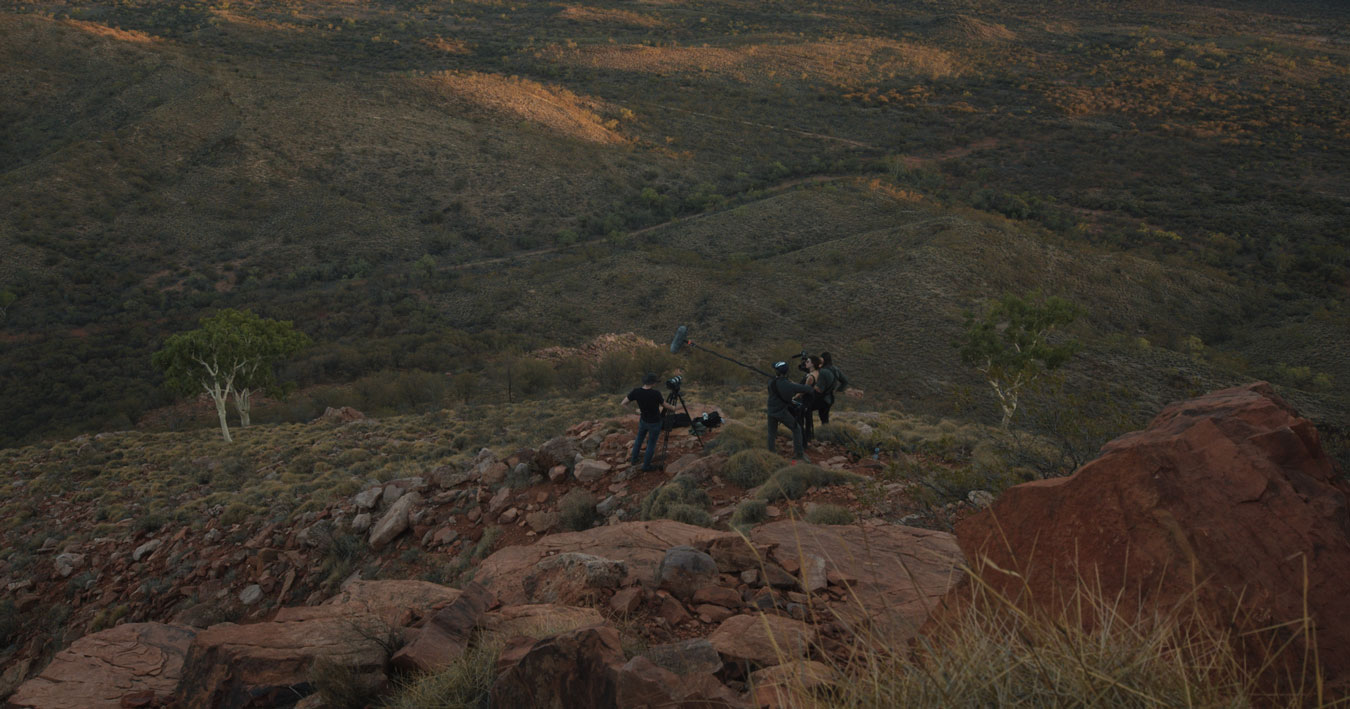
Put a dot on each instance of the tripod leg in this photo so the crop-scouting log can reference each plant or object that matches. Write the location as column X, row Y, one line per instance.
column 697, row 435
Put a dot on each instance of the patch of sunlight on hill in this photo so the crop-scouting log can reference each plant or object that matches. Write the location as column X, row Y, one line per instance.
column 551, row 106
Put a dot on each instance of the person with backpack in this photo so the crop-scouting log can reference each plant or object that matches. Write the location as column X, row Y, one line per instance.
column 651, row 406
column 829, row 379
column 814, row 400
column 784, row 407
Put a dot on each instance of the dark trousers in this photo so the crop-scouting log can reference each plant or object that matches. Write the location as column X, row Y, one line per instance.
column 652, row 431
column 798, row 449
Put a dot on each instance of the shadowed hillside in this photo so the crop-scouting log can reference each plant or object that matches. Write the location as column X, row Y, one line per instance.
column 459, row 182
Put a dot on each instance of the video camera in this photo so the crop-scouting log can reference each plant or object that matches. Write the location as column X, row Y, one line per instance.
column 801, row 363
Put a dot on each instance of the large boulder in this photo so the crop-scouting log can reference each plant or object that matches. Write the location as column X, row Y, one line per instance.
column 556, row 451
column 890, row 577
column 395, row 521
column 585, row 669
column 572, row 669
column 1231, row 491
column 98, row 670
column 573, row 578
column 267, row 664
column 684, row 571
column 446, row 637
column 639, row 545
column 762, row 640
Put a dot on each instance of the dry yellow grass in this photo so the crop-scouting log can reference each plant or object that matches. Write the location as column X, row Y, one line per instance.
column 554, row 107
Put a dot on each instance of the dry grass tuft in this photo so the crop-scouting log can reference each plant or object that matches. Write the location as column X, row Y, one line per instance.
column 988, row 650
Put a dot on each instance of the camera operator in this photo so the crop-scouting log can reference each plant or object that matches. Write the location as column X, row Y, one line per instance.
column 651, row 405
column 783, row 409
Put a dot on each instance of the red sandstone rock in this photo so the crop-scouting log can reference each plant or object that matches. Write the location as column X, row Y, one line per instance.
column 1232, row 489
column 447, row 636
column 536, row 620
column 901, row 573
column 626, row 600
column 98, row 670
column 640, row 545
column 572, row 669
column 232, row 665
column 762, row 640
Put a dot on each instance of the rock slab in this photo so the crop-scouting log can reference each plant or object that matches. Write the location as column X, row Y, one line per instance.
column 98, row 670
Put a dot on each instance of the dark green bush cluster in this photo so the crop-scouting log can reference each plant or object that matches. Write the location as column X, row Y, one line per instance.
column 845, row 435
column 680, row 500
column 750, row 512
column 793, row 481
column 829, row 514
column 750, row 468
column 576, row 510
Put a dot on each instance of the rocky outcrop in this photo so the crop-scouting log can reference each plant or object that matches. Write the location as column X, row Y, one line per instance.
column 762, row 640
column 446, row 638
column 232, row 665
column 395, row 520
column 572, row 669
column 639, row 545
column 1231, row 491
column 585, row 669
column 98, row 670
column 889, row 576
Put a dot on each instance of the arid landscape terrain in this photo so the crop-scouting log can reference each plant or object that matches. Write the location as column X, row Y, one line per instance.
column 487, row 219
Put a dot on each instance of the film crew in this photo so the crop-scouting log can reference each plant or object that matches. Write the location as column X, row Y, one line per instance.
column 783, row 408
column 651, row 406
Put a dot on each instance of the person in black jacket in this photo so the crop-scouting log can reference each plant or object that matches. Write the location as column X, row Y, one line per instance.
column 781, row 408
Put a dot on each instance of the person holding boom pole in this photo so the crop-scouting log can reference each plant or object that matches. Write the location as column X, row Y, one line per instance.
column 782, row 408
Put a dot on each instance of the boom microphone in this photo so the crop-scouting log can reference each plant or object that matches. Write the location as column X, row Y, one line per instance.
column 679, row 339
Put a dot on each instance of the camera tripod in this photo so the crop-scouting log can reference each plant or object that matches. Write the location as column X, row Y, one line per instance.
column 674, row 396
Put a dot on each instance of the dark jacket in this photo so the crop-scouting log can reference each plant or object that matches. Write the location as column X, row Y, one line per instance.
column 786, row 389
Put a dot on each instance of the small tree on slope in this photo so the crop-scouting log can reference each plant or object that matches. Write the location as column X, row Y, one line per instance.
column 232, row 353
column 1010, row 344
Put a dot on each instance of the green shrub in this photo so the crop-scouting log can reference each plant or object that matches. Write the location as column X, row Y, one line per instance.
column 793, row 481
column 341, row 687
column 234, row 514
column 936, row 486
column 750, row 512
column 751, row 468
column 465, row 682
column 735, row 438
column 576, row 510
column 680, row 492
column 829, row 514
column 843, row 434
column 690, row 514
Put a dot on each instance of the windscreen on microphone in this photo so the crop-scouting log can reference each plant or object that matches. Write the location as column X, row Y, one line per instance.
column 679, row 339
